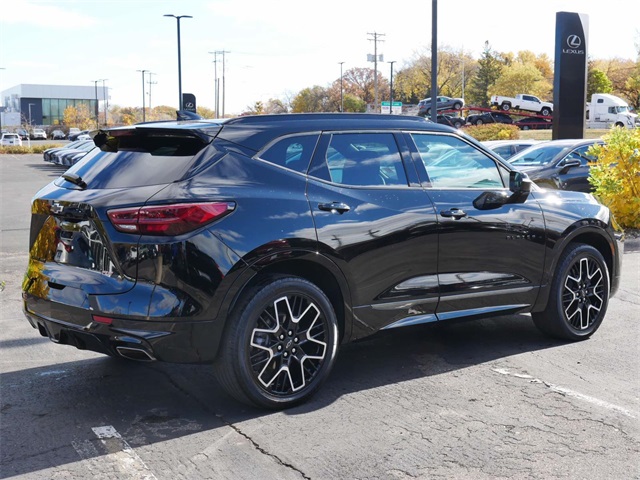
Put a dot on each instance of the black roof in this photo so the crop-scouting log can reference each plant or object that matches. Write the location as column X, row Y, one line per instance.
column 254, row 131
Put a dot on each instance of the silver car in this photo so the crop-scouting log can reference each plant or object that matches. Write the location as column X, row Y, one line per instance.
column 442, row 103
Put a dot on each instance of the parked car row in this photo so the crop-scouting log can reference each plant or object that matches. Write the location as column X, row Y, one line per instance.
column 457, row 121
column 69, row 154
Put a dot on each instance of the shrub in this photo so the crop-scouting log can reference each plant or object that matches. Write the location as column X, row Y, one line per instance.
column 39, row 148
column 493, row 131
column 616, row 176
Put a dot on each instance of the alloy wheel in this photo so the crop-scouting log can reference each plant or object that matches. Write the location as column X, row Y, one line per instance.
column 583, row 293
column 288, row 345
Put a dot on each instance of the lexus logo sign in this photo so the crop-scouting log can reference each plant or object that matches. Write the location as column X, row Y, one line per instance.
column 574, row 42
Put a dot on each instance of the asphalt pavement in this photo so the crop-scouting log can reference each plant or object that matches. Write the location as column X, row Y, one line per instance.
column 490, row 399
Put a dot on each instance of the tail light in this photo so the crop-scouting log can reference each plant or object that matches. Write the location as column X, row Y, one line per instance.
column 168, row 220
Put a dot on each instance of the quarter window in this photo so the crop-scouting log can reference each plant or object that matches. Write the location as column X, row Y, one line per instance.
column 365, row 159
column 452, row 163
column 292, row 152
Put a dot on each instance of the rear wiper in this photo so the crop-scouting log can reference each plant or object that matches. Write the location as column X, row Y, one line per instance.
column 75, row 179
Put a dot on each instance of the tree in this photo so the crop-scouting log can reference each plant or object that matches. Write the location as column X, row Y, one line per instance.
column 314, row 99
column 489, row 70
column 205, row 112
column 522, row 78
column 597, row 82
column 359, row 82
column 413, row 82
column 79, row 117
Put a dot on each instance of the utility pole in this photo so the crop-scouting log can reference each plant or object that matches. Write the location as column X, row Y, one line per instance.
column 144, row 115
column 375, row 38
column 341, row 90
column 216, row 90
column 391, row 88
column 434, row 60
column 222, row 52
column 150, row 82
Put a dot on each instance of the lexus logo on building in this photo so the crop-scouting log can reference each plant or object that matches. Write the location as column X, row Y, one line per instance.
column 574, row 43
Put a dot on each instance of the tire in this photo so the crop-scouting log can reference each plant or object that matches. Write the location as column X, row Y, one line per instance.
column 579, row 295
column 506, row 107
column 525, row 127
column 479, row 122
column 458, row 124
column 619, row 124
column 545, row 112
column 280, row 345
column 457, row 106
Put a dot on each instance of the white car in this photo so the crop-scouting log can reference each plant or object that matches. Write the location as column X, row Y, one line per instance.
column 10, row 139
column 38, row 133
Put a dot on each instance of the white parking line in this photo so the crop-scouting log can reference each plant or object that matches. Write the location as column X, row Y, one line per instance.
column 568, row 392
column 121, row 458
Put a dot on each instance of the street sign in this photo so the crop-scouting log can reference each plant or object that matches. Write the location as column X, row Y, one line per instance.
column 395, row 110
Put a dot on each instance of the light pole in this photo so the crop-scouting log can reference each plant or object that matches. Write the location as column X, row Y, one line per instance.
column 105, row 102
column 391, row 88
column 144, row 117
column 341, row 90
column 178, row 17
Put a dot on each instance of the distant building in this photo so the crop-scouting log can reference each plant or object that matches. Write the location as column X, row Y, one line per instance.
column 45, row 104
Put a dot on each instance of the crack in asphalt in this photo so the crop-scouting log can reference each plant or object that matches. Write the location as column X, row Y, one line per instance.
column 231, row 425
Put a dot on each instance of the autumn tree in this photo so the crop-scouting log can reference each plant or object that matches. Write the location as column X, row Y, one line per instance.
column 314, row 99
column 522, row 78
column 413, row 82
column 79, row 117
column 205, row 112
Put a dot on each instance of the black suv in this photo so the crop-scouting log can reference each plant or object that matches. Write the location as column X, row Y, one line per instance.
column 262, row 243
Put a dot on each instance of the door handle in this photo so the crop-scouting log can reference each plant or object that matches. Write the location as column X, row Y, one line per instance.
column 454, row 212
column 334, row 207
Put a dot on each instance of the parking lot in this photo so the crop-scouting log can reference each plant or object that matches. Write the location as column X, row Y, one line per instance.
column 490, row 399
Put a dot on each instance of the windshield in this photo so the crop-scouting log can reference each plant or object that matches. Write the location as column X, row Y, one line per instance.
column 537, row 155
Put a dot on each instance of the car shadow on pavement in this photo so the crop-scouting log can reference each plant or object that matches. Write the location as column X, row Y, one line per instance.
column 155, row 402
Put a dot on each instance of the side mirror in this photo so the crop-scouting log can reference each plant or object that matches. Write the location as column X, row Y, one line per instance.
column 519, row 182
column 574, row 162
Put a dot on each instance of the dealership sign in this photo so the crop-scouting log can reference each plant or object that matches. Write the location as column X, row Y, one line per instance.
column 570, row 75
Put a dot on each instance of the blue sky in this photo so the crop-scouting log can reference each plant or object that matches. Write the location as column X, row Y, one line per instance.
column 276, row 48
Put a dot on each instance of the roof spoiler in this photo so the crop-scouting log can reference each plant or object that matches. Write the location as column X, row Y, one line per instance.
column 187, row 115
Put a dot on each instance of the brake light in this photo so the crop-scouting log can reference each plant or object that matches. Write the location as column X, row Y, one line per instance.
column 167, row 219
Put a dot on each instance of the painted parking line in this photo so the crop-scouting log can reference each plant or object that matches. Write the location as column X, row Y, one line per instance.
column 121, row 459
column 568, row 392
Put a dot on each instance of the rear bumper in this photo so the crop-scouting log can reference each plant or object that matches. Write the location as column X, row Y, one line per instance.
column 169, row 341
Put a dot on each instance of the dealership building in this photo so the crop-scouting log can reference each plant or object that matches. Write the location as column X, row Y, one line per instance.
column 42, row 105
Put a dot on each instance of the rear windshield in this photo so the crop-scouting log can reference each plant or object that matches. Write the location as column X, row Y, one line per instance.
column 137, row 160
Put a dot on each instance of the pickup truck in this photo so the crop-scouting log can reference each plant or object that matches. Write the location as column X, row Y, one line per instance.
column 522, row 101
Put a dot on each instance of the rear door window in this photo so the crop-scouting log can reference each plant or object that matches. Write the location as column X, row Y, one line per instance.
column 363, row 159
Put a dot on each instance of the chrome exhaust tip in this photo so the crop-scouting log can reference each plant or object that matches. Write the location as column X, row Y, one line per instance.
column 137, row 354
